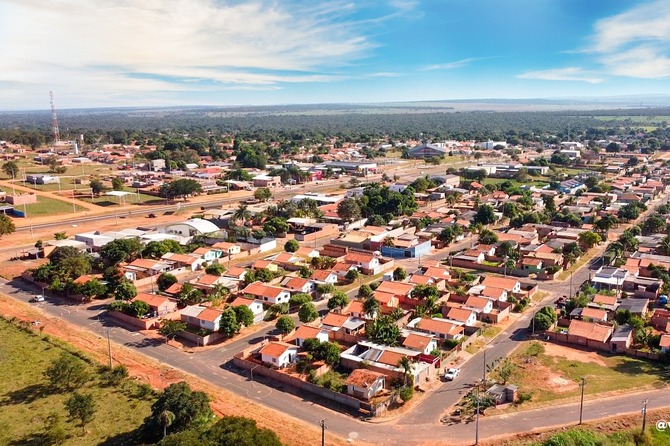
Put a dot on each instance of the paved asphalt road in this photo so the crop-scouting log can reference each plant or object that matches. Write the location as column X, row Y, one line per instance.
column 417, row 426
column 420, row 424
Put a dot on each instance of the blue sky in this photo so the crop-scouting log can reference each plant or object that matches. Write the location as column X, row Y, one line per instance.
column 220, row 52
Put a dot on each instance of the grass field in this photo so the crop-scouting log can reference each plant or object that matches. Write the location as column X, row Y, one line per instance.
column 551, row 377
column 45, row 206
column 27, row 399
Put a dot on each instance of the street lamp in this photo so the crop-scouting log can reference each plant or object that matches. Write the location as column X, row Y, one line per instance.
column 644, row 414
column 581, row 404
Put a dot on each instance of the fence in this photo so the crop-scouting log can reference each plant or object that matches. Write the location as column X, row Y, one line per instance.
column 602, row 346
column 142, row 324
column 201, row 340
column 493, row 269
column 296, row 383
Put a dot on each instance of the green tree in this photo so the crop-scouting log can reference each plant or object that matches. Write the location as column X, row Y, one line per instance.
column 125, row 291
column 189, row 295
column 6, row 225
column 349, row 209
column 165, row 281
column 166, row 418
column 383, row 329
column 285, row 324
column 262, row 194
column 11, row 169
column 180, row 188
column 487, row 237
column 93, row 288
column 589, row 239
column 422, row 292
column 399, row 273
column 54, row 430
column 117, row 183
column 352, row 275
column 239, row 431
column 299, row 299
column 364, row 291
column 81, row 407
column 229, row 324
column 121, row 250
column 244, row 315
column 171, row 328
column 139, row 308
column 190, row 408
column 307, row 312
column 291, row 245
column 654, row 224
column 67, row 372
column 97, row 186
column 215, row 269
column 371, row 306
column 485, row 215
column 339, row 300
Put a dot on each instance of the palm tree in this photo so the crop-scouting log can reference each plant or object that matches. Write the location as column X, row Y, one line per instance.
column 388, row 242
column 664, row 246
column 406, row 365
column 616, row 249
column 166, row 419
column 242, row 213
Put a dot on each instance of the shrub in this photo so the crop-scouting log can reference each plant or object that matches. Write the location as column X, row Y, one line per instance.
column 406, row 393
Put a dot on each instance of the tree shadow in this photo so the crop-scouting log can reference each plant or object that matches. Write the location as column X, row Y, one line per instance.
column 28, row 394
column 123, row 439
column 38, row 439
column 642, row 366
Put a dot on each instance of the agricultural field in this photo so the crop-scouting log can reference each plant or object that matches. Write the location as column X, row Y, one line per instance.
column 33, row 412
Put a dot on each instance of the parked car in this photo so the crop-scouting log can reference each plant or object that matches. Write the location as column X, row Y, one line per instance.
column 37, row 298
column 152, row 215
column 451, row 374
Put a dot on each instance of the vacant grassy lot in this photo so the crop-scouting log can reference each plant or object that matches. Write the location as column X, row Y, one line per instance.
column 45, row 206
column 27, row 400
column 555, row 373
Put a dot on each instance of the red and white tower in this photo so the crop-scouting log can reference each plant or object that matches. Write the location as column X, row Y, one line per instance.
column 56, row 132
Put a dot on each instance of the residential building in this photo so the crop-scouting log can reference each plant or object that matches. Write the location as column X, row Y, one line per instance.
column 365, row 384
column 267, row 293
column 278, row 354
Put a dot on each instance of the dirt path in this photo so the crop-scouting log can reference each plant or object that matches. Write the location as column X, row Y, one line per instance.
column 291, row 431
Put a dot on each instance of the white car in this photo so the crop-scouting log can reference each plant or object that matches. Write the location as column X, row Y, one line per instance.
column 451, row 374
column 37, row 298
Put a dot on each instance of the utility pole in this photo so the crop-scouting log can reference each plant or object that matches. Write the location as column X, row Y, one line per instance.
column 644, row 414
column 322, row 423
column 571, row 284
column 581, row 404
column 484, row 368
column 477, row 420
column 109, row 349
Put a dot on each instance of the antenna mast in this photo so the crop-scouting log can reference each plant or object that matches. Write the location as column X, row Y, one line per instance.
column 56, row 132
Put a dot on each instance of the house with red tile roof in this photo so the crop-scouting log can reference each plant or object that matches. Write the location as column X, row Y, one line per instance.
column 424, row 343
column 665, row 343
column 160, row 305
column 461, row 315
column 396, row 288
column 479, row 304
column 342, row 322
column 298, row 285
column 255, row 305
column 143, row 268
column 202, row 317
column 581, row 332
column 278, row 354
column 438, row 327
column 229, row 249
column 308, row 332
column 324, row 276
column 355, row 309
column 235, row 272
column 506, row 283
column 185, row 261
column 267, row 293
column 367, row 263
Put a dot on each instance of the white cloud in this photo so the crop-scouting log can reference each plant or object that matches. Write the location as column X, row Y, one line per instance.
column 453, row 65
column 95, row 48
column 635, row 43
column 562, row 74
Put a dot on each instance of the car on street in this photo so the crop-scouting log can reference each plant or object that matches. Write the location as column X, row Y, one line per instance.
column 451, row 374
column 152, row 215
column 37, row 298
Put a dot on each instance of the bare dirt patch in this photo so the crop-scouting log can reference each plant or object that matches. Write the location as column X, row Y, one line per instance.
column 290, row 430
column 572, row 353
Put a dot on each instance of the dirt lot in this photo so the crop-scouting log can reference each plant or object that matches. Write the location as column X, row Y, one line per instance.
column 572, row 353
column 290, row 430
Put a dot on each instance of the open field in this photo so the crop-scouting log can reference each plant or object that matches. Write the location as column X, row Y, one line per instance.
column 45, row 206
column 27, row 399
column 551, row 372
column 619, row 431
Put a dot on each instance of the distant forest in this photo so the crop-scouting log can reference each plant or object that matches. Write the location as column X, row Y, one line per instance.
column 304, row 122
